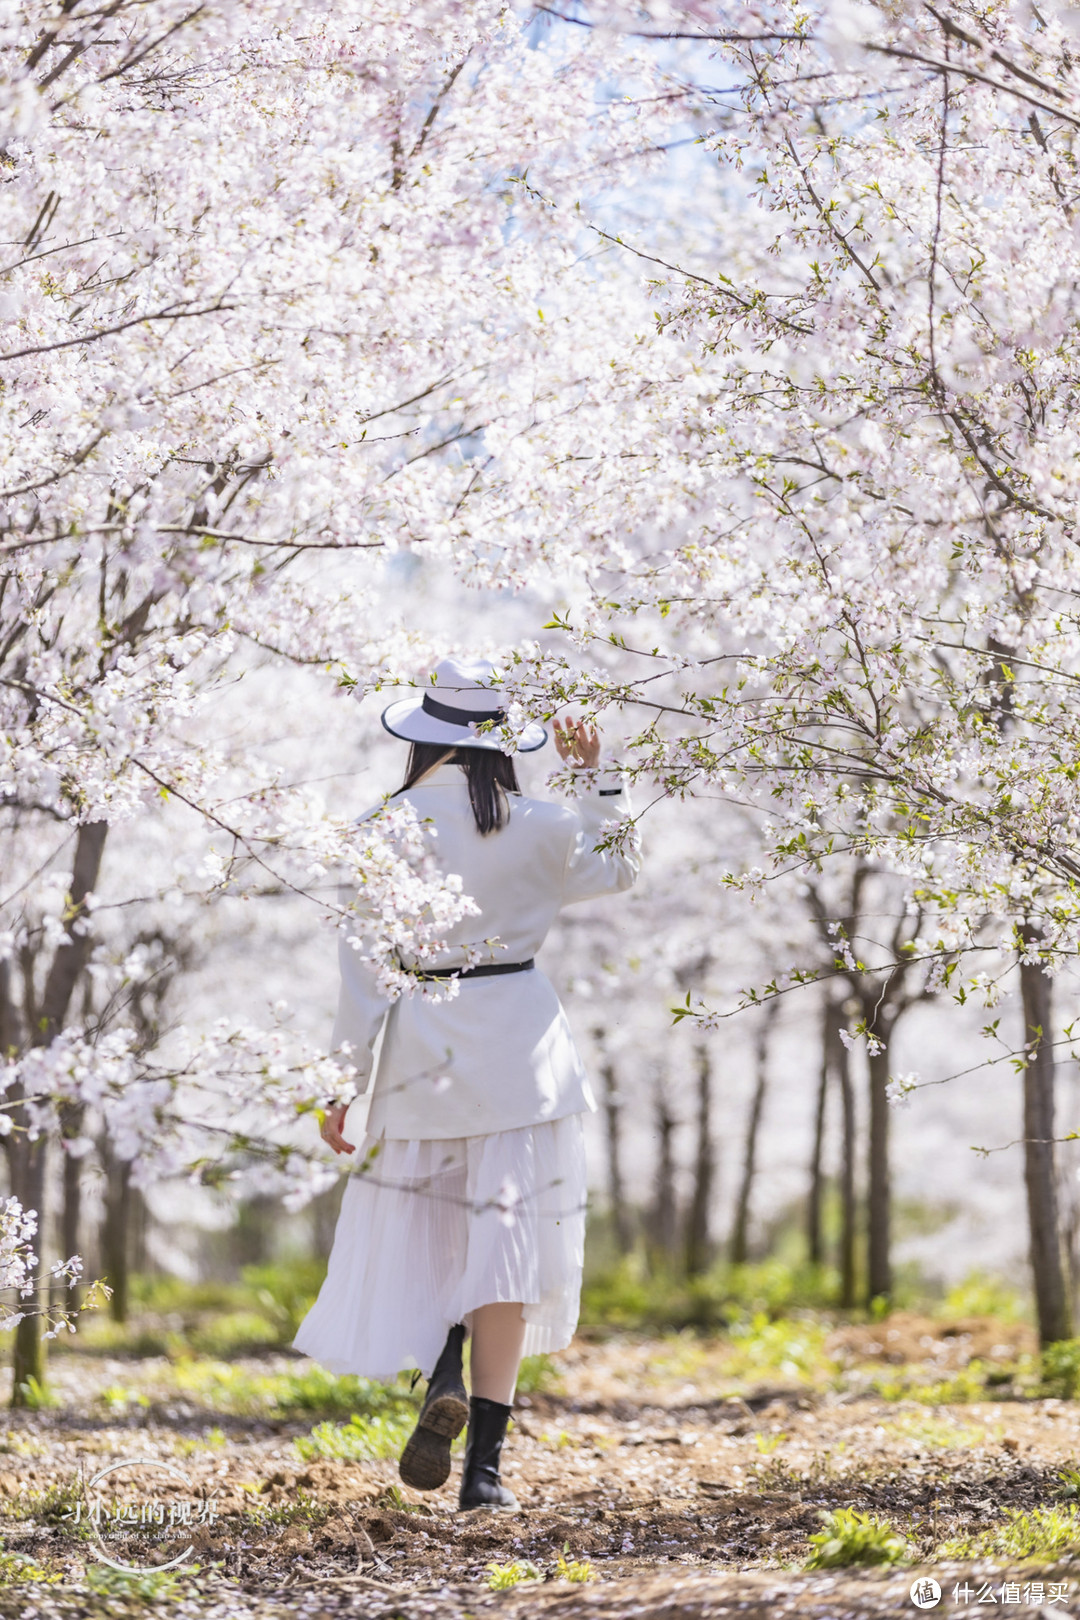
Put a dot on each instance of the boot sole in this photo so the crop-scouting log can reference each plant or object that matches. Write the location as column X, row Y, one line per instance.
column 425, row 1462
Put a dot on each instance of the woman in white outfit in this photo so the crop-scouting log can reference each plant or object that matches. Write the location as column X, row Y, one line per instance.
column 467, row 1211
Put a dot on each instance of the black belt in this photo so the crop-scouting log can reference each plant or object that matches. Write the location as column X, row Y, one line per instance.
column 486, row 970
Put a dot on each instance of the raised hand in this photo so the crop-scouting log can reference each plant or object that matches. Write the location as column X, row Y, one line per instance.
column 577, row 742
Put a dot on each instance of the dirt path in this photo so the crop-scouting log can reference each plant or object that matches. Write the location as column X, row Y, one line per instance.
column 640, row 1470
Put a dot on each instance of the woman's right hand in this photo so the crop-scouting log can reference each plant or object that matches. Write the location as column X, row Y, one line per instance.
column 332, row 1126
column 577, row 742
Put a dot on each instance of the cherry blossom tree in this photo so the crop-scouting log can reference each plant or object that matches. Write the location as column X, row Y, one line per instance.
column 862, row 610
column 270, row 276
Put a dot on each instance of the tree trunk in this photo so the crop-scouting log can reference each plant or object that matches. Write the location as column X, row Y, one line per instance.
column 879, row 1191
column 848, row 1211
column 620, row 1214
column 71, row 1209
column 739, row 1246
column 815, row 1248
column 1048, row 1274
column 72, row 954
column 28, row 1347
column 115, row 1249
column 697, row 1221
column 664, row 1213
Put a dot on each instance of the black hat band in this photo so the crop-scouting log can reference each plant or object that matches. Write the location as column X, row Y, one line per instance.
column 458, row 717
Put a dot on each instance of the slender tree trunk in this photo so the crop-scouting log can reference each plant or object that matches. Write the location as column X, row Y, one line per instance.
column 664, row 1213
column 879, row 1191
column 1048, row 1273
column 739, row 1245
column 620, row 1214
column 72, row 954
column 139, row 1231
column 71, row 1209
column 115, row 1231
column 28, row 1348
column 848, row 1211
column 697, row 1221
column 815, row 1248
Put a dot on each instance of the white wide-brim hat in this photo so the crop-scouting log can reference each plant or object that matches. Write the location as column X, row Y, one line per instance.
column 459, row 697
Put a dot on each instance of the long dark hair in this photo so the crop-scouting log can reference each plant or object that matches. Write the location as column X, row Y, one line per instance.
column 491, row 775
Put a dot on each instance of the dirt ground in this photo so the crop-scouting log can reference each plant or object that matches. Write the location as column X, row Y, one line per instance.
column 683, row 1499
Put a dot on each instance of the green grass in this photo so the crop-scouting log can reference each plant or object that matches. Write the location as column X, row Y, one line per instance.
column 19, row 1567
column 1060, row 1368
column 573, row 1569
column 302, row 1509
column 630, row 1294
column 54, row 1506
column 935, row 1433
column 792, row 1347
column 228, row 1388
column 359, row 1440
column 982, row 1295
column 503, row 1576
column 1041, row 1532
column 539, row 1376
column 848, row 1537
column 213, row 1439
column 37, row 1395
column 171, row 1317
column 149, row 1587
column 978, row 1381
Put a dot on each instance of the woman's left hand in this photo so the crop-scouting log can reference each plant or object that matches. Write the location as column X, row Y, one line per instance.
column 332, row 1126
column 577, row 742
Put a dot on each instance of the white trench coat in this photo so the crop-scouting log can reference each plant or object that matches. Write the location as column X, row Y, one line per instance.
column 500, row 1054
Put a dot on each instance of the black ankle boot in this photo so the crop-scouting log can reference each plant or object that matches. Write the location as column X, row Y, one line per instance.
column 481, row 1486
column 425, row 1462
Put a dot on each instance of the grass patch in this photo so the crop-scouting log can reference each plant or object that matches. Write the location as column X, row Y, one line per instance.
column 149, row 1587
column 303, row 1509
column 37, row 1396
column 390, row 1497
column 171, row 1317
column 1060, row 1367
column 982, row 1295
column 118, row 1397
column 227, row 1388
column 794, row 1347
column 212, row 1440
column 939, row 1433
column 573, row 1569
column 359, row 1440
column 1040, row 1532
column 17, row 1567
column 631, row 1294
column 15, row 1444
column 978, row 1381
column 539, row 1376
column 503, row 1576
column 848, row 1537
column 54, row 1506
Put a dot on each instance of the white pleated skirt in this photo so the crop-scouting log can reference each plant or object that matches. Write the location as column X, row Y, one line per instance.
column 431, row 1230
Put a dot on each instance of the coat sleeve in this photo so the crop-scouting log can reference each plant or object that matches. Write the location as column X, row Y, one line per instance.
column 591, row 872
column 360, row 1014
